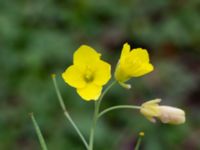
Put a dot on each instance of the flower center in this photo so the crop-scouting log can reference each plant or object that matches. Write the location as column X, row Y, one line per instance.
column 88, row 76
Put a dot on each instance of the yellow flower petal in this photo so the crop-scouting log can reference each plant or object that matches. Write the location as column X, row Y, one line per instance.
column 125, row 51
column 103, row 73
column 90, row 92
column 85, row 55
column 140, row 55
column 142, row 70
column 73, row 76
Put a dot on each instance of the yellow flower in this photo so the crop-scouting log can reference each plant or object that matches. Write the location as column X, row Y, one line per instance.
column 132, row 63
column 166, row 114
column 88, row 73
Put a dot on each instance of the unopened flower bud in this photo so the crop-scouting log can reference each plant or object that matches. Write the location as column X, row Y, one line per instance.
column 171, row 115
column 167, row 114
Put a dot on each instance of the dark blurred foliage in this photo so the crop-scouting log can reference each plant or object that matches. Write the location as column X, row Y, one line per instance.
column 38, row 37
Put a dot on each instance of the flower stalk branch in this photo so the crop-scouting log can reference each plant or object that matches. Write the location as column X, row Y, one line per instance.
column 96, row 114
column 106, row 90
column 117, row 107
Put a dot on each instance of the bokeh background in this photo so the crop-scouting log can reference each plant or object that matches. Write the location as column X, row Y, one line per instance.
column 38, row 37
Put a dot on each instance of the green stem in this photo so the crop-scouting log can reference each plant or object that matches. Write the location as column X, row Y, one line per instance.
column 118, row 107
column 96, row 113
column 139, row 142
column 96, row 110
column 67, row 114
column 38, row 131
column 106, row 90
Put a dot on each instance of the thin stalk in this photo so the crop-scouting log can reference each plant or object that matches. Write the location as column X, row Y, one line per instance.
column 138, row 143
column 67, row 114
column 96, row 110
column 96, row 113
column 141, row 134
column 106, row 90
column 118, row 107
column 39, row 133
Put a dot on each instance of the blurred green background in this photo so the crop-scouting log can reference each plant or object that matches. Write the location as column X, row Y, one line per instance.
column 38, row 37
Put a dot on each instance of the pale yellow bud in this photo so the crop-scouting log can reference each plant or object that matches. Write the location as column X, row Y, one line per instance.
column 141, row 134
column 171, row 115
column 167, row 114
column 151, row 110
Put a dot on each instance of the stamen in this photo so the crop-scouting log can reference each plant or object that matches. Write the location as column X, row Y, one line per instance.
column 88, row 76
